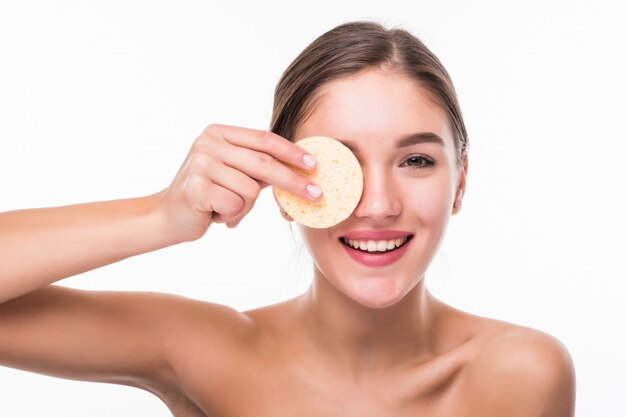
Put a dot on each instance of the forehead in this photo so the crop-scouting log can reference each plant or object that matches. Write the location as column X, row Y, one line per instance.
column 374, row 105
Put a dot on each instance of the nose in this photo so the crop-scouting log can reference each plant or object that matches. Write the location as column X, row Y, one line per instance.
column 380, row 199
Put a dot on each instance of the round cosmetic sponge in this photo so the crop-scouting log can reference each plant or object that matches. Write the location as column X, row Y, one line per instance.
column 337, row 173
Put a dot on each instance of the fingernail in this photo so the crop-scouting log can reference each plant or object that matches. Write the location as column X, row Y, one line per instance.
column 309, row 160
column 314, row 190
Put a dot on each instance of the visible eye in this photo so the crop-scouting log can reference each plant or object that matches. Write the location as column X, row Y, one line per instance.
column 419, row 162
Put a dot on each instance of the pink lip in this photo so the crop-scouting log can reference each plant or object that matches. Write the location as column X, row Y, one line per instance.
column 376, row 234
column 377, row 259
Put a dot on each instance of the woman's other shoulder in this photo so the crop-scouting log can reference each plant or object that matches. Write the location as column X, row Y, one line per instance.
column 521, row 371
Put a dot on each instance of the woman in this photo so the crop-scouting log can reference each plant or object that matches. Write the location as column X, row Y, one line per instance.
column 365, row 339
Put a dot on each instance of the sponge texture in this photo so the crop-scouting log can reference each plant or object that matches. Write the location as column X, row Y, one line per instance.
column 338, row 174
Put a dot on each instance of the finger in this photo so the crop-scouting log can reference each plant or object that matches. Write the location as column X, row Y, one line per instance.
column 204, row 196
column 264, row 168
column 196, row 190
column 238, row 183
column 218, row 218
column 270, row 143
column 225, row 202
column 204, row 170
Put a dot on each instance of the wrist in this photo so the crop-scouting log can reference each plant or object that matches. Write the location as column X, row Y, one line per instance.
column 155, row 210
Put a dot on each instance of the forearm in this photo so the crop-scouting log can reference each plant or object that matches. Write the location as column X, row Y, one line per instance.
column 41, row 246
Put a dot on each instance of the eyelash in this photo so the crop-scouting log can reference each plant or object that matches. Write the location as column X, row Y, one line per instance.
column 427, row 162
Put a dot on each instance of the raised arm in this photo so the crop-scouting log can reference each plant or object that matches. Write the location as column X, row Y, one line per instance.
column 219, row 181
column 121, row 337
column 41, row 246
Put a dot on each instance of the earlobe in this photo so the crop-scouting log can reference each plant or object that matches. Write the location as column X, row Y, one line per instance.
column 456, row 207
column 285, row 215
column 460, row 192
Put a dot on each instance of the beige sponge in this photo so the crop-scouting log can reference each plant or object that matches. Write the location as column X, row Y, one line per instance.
column 338, row 174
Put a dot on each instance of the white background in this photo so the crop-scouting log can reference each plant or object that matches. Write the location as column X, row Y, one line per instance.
column 101, row 100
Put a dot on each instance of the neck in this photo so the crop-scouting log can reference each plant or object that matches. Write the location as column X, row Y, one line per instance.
column 364, row 339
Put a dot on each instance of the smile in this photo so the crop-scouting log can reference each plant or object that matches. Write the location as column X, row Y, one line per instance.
column 376, row 246
column 376, row 253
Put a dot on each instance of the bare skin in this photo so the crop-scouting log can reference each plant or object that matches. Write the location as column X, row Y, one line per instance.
column 359, row 342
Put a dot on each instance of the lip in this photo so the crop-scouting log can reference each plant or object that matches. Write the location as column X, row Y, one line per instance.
column 377, row 259
column 376, row 234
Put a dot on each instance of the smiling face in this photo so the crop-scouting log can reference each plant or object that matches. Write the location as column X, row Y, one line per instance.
column 408, row 189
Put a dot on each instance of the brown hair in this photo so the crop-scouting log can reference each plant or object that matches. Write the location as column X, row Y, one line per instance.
column 350, row 48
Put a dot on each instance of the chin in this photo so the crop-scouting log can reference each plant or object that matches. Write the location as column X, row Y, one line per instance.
column 378, row 293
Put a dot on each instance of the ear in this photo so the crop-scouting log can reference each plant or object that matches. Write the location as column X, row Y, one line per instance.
column 461, row 186
column 283, row 213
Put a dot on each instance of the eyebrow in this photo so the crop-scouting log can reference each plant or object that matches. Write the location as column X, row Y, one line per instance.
column 404, row 141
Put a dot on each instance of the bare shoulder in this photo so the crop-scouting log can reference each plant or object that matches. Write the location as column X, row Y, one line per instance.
column 520, row 371
column 203, row 343
column 189, row 323
column 190, row 312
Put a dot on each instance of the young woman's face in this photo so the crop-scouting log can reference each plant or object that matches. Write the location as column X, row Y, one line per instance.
column 407, row 190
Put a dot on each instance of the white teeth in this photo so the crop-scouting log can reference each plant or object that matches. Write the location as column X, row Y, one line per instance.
column 375, row 246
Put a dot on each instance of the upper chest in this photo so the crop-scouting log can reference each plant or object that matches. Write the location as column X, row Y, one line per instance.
column 272, row 383
column 264, row 375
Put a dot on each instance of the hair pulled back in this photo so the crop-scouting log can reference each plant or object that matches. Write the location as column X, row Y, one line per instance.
column 350, row 48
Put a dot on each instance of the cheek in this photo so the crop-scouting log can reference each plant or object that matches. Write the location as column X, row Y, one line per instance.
column 315, row 240
column 429, row 200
